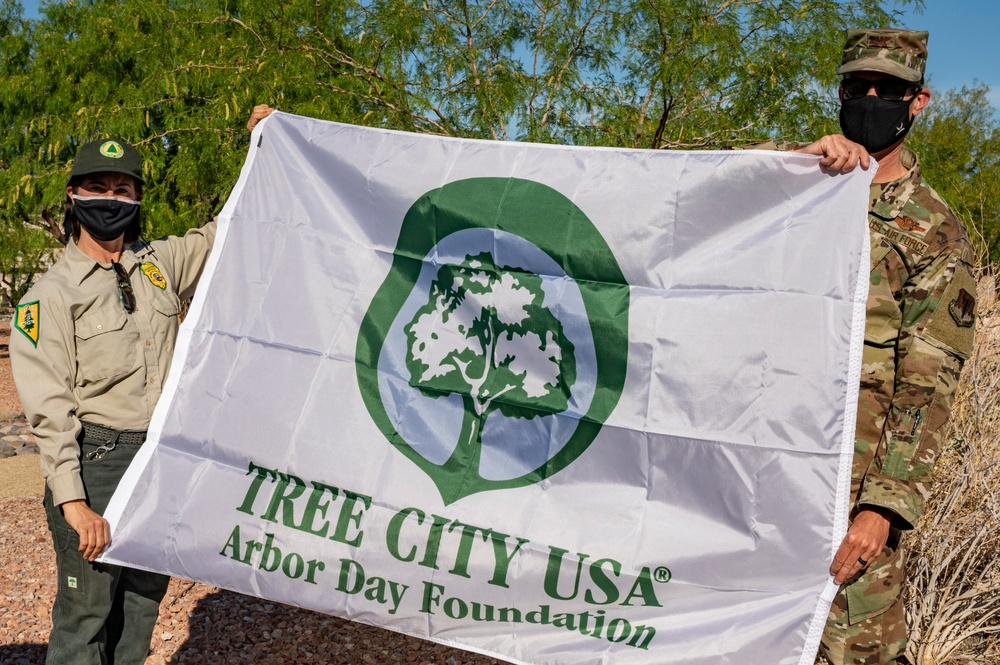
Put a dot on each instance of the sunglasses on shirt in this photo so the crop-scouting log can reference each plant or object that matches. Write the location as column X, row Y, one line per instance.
column 890, row 89
column 125, row 291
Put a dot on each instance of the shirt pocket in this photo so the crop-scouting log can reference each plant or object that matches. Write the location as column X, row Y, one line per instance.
column 167, row 303
column 883, row 316
column 879, row 586
column 167, row 308
column 105, row 344
column 904, row 430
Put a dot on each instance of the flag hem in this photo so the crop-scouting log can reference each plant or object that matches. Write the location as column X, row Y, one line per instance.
column 119, row 500
column 842, row 505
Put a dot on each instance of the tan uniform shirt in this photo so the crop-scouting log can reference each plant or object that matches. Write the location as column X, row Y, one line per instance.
column 77, row 355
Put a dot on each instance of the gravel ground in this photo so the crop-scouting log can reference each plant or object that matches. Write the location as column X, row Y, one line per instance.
column 198, row 624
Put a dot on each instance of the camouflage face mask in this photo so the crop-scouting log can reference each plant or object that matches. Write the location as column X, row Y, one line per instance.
column 875, row 123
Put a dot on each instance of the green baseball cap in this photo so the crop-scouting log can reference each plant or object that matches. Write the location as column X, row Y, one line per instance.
column 107, row 155
column 900, row 53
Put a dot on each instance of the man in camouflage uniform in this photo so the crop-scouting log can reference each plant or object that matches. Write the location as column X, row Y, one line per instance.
column 919, row 331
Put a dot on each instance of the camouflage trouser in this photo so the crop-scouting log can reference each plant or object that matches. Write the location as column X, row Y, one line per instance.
column 866, row 625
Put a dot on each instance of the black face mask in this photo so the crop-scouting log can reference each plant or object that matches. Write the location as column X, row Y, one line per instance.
column 105, row 217
column 875, row 123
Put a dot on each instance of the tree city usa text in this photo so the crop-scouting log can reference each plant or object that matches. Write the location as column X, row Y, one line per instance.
column 433, row 541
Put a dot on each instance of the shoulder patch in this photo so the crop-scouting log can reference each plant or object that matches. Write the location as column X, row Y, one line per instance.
column 956, row 329
column 153, row 274
column 26, row 320
column 963, row 309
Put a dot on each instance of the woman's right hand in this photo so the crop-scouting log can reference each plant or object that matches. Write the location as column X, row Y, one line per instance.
column 259, row 112
column 94, row 530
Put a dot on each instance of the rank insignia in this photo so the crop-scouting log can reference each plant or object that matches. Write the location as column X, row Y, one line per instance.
column 26, row 320
column 154, row 275
column 963, row 309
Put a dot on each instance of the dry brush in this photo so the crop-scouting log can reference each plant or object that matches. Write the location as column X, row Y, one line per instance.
column 953, row 601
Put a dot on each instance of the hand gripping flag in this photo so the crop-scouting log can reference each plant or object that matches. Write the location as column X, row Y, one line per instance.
column 552, row 404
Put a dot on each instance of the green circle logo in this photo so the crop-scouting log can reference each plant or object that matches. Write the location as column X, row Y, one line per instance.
column 112, row 149
column 497, row 345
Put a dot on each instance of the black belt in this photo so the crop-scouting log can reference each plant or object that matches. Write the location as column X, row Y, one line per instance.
column 110, row 438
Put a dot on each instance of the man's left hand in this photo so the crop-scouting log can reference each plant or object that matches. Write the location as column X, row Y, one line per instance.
column 864, row 541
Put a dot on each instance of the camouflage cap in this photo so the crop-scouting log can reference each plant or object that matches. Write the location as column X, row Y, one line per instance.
column 107, row 155
column 901, row 53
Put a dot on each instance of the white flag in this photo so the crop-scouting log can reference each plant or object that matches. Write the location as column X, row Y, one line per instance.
column 551, row 404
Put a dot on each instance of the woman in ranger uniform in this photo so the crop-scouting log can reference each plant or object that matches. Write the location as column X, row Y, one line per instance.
column 93, row 344
column 94, row 340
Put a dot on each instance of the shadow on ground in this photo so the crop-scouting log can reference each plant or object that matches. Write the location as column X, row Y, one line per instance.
column 230, row 628
column 23, row 654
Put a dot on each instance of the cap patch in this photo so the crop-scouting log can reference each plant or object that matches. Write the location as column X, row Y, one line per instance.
column 26, row 320
column 112, row 149
column 153, row 274
column 963, row 309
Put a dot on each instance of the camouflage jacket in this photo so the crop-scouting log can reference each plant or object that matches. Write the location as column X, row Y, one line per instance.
column 918, row 332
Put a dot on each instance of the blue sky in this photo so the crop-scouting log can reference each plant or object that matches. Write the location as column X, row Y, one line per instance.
column 961, row 47
column 961, row 43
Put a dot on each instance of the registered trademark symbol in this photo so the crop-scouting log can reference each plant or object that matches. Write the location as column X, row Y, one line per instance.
column 662, row 574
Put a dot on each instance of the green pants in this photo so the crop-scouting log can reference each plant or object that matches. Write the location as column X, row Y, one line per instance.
column 103, row 614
